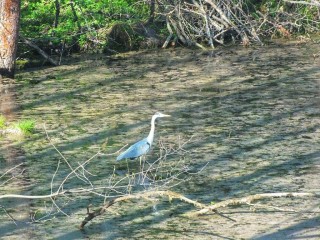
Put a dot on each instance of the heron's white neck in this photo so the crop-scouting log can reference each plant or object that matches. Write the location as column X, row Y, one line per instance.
column 151, row 133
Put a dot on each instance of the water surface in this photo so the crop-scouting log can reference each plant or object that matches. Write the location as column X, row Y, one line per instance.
column 253, row 114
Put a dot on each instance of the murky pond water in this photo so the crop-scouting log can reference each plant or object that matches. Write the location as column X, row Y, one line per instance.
column 253, row 113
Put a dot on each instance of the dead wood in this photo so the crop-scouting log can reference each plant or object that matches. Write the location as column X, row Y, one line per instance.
column 252, row 198
column 39, row 50
column 204, row 208
column 145, row 195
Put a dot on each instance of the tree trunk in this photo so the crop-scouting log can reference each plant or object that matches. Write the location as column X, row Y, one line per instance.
column 75, row 16
column 152, row 11
column 57, row 15
column 9, row 28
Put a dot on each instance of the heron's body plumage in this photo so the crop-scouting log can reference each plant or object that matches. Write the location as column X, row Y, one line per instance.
column 143, row 146
column 136, row 150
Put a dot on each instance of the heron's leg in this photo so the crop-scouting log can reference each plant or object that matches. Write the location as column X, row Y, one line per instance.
column 128, row 167
column 144, row 172
column 141, row 169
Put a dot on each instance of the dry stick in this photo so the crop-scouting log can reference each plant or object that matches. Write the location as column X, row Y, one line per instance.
column 156, row 168
column 39, row 50
column 208, row 31
column 182, row 29
column 170, row 34
column 242, row 33
column 312, row 3
column 51, row 189
column 204, row 208
column 55, row 194
column 171, row 195
column 6, row 172
column 249, row 199
column 31, row 197
column 217, row 21
column 145, row 195
column 149, row 169
column 206, row 20
column 226, row 22
column 44, row 126
column 255, row 205
column 9, row 215
column 174, row 25
column 58, row 192
column 13, row 177
column 185, row 39
column 182, row 24
column 61, row 185
column 74, row 171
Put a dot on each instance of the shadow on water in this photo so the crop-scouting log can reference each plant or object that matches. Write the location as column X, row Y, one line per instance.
column 254, row 114
column 12, row 155
column 310, row 226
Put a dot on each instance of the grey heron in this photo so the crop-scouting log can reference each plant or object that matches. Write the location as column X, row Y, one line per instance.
column 143, row 146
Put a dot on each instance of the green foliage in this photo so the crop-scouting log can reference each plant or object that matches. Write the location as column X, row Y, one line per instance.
column 84, row 24
column 77, row 25
column 26, row 126
column 2, row 121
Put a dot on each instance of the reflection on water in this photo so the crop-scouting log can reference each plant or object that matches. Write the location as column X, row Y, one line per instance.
column 254, row 114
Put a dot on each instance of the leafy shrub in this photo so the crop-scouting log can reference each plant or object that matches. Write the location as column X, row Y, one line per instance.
column 78, row 21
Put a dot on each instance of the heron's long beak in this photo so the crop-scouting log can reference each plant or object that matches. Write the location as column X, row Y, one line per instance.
column 166, row 115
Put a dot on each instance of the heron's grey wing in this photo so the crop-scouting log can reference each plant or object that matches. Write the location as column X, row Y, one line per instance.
column 136, row 150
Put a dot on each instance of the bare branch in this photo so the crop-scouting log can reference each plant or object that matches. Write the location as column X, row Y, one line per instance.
column 249, row 199
column 311, row 3
column 9, row 215
column 9, row 170
column 204, row 208
column 44, row 127
column 144, row 195
column 39, row 50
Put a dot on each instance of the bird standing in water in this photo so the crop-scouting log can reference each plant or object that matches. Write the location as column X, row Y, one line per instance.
column 143, row 146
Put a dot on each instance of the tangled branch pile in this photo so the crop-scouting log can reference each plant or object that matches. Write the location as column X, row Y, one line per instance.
column 215, row 21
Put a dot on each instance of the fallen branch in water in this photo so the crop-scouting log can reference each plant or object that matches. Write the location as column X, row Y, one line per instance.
column 145, row 195
column 204, row 208
column 249, row 199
